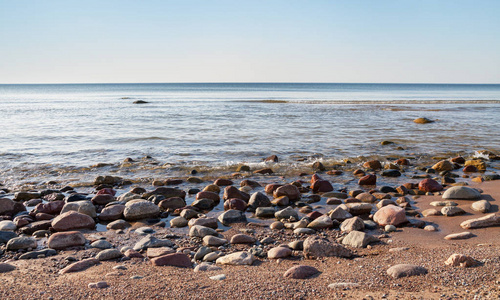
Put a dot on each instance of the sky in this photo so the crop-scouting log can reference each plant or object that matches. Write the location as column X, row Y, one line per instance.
column 424, row 41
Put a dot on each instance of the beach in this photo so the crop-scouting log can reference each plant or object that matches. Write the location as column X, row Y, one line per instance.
column 358, row 271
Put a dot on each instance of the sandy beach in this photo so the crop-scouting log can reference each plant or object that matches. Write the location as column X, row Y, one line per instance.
column 363, row 275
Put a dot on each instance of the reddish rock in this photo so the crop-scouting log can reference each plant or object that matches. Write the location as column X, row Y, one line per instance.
column 373, row 164
column 250, row 183
column 359, row 173
column 235, row 203
column 172, row 203
column 429, row 185
column 51, row 208
column 72, row 220
column 102, row 199
column 322, row 186
column 112, row 212
column 458, row 160
column 43, row 216
column 272, row 158
column 314, row 215
column 171, row 181
column 469, row 169
column 270, row 188
column 233, row 192
column 264, row 171
column 315, row 178
column 10, row 207
column 318, row 166
column 223, row 182
column 402, row 162
column 62, row 240
column 106, row 191
column 79, row 265
column 174, row 259
column 131, row 253
column 300, row 272
column 208, row 195
column 390, row 215
column 369, row 179
column 242, row 239
column 291, row 191
column 366, row 197
column 334, row 172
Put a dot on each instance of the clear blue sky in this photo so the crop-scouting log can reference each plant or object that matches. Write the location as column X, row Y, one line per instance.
column 65, row 41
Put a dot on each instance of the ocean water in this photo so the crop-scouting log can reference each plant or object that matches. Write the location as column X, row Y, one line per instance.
column 216, row 125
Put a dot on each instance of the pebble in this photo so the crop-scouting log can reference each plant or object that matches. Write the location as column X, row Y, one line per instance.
column 218, row 277
column 98, row 285
column 343, row 285
column 430, row 228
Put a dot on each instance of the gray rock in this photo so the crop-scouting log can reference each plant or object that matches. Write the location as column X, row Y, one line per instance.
column 5, row 267
column 207, row 222
column 145, row 230
column 315, row 247
column 265, row 212
column 140, row 209
column 218, row 277
column 355, row 223
column 84, row 207
column 202, row 231
column 450, row 211
column 5, row 236
column 214, row 241
column 202, row 251
column 212, row 256
column 232, row 216
column 481, row 206
column 321, row 222
column 152, row 242
column 7, row 226
column 406, row 270
column 22, row 242
column 461, row 193
column 206, row 267
column 286, row 214
column 101, row 244
column 443, row 203
column 258, row 199
column 358, row 239
column 304, row 231
column 38, row 254
column 339, row 214
column 178, row 222
column 108, row 254
column 237, row 258
column 118, row 224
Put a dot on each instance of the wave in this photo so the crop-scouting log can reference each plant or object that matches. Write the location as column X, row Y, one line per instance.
column 371, row 102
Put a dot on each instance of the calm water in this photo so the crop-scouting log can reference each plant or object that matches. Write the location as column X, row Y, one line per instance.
column 223, row 124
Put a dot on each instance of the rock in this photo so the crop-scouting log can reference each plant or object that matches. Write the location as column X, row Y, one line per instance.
column 357, row 209
column 84, row 207
column 352, row 224
column 279, row 252
column 223, row 182
column 10, row 207
column 281, row 201
column 102, row 284
column 203, row 204
column 461, row 193
column 79, row 265
column 233, row 192
column 178, row 222
column 175, row 259
column 63, row 240
column 112, row 213
column 7, row 226
column 286, row 213
column 443, row 203
column 51, row 208
column 358, row 239
column 126, row 197
column 429, row 185
column 390, row 228
column 459, row 236
column 117, row 225
column 431, row 212
column 315, row 247
column 289, row 190
column 25, row 196
column 152, row 242
column 22, row 242
column 391, row 173
column 242, row 239
column 36, row 226
column 479, row 164
column 390, row 215
column 206, row 267
column 5, row 236
column 160, row 251
column 339, row 214
column 366, row 197
column 207, row 222
column 430, row 228
column 300, row 272
column 258, row 199
column 385, row 202
column 481, row 206
column 232, row 216
column 486, row 221
column 108, row 254
column 235, row 203
column 189, row 214
column 131, row 253
column 406, row 270
column 321, row 222
column 277, row 225
column 372, row 164
column 72, row 220
column 166, row 192
column 321, row 186
column 443, row 166
column 461, row 260
column 422, row 121
column 299, row 231
column 201, row 231
column 172, row 203
column 450, row 211
column 264, row 171
column 265, row 212
column 5, row 267
column 237, row 258
column 101, row 244
column 343, row 285
column 140, row 209
column 102, row 199
column 369, row 179
column 210, row 240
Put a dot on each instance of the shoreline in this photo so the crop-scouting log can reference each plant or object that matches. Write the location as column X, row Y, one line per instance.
column 363, row 276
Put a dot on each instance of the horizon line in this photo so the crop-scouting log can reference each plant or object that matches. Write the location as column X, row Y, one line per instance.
column 247, row 82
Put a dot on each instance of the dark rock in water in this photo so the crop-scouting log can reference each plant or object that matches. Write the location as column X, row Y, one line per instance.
column 232, row 192
column 289, row 190
column 5, row 236
column 264, row 171
column 429, row 185
column 422, row 121
column 272, row 158
column 38, row 254
column 243, row 168
column 167, row 192
column 369, row 179
column 258, row 199
column 102, row 199
column 235, row 203
column 171, row 181
column 22, row 242
column 491, row 177
column 391, row 173
column 322, row 186
column 51, row 208
column 25, row 196
column 140, row 102
column 250, row 183
column 172, row 203
column 232, row 216
column 203, row 204
column 10, row 207
column 75, row 197
column 373, row 164
column 223, row 182
column 318, row 166
column 36, row 226
column 387, row 189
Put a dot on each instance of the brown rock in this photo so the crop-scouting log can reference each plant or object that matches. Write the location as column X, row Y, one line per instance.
column 322, row 186
column 172, row 203
column 270, row 188
column 366, row 197
column 429, row 185
column 369, row 179
column 461, row 260
column 223, row 182
column 264, row 171
column 235, row 203
column 62, row 240
column 390, row 215
column 315, row 246
column 51, row 208
column 79, row 265
column 111, row 213
column 242, row 239
column 373, row 164
column 174, row 259
column 232, row 192
column 102, row 199
column 208, row 195
column 300, row 272
column 279, row 252
column 72, row 220
column 291, row 191
column 444, row 165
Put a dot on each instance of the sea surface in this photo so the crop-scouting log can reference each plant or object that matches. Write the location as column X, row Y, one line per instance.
column 49, row 128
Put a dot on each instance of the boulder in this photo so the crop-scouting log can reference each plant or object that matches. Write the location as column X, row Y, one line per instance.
column 140, row 209
column 63, row 240
column 315, row 246
column 72, row 220
column 358, row 239
column 429, row 185
column 22, row 242
column 461, row 193
column 390, row 215
column 406, row 270
column 289, row 190
column 84, row 207
column 300, row 272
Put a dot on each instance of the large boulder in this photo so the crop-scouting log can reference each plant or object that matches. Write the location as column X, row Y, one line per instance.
column 461, row 193
column 289, row 190
column 390, row 215
column 315, row 246
column 62, row 240
column 72, row 220
column 140, row 209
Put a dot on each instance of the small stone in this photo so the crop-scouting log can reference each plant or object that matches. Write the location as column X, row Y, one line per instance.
column 358, row 239
column 315, row 246
column 450, row 211
column 390, row 228
column 98, row 285
column 343, row 285
column 108, row 254
column 218, row 277
column 206, row 267
column 279, row 252
column 210, row 240
column 430, row 228
column 237, row 258
column 232, row 216
column 481, row 206
column 287, row 213
column 178, row 222
column 459, row 236
column 242, row 239
column 101, row 244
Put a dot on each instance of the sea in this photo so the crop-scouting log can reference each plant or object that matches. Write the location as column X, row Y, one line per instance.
column 61, row 130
